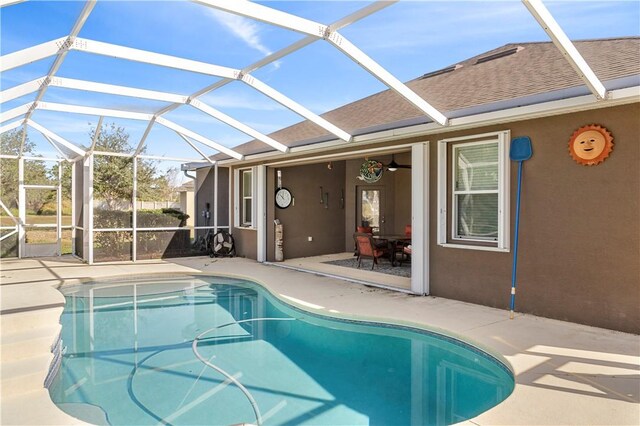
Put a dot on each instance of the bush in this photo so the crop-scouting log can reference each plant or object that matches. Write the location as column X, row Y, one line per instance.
column 117, row 245
column 163, row 218
column 9, row 246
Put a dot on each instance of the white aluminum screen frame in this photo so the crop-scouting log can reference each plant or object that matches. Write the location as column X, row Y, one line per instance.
column 548, row 23
column 315, row 31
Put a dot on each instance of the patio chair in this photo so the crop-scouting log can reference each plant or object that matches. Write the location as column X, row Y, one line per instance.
column 369, row 230
column 364, row 229
column 400, row 246
column 406, row 253
column 367, row 249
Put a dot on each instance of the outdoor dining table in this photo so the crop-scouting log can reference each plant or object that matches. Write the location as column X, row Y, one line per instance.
column 392, row 244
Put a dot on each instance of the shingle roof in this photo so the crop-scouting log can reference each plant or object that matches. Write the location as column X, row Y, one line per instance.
column 511, row 71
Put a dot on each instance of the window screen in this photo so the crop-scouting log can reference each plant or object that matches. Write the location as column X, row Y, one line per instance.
column 475, row 191
column 247, row 205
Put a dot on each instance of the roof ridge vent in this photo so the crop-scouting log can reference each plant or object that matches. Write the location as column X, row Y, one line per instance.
column 498, row 55
column 441, row 71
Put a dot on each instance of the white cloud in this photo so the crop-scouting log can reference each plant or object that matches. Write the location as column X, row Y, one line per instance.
column 244, row 29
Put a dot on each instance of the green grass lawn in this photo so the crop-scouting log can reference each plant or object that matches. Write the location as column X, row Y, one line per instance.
column 43, row 236
column 34, row 219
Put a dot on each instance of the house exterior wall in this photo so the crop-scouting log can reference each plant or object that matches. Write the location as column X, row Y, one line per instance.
column 402, row 194
column 579, row 251
column 186, row 206
column 204, row 185
column 223, row 196
column 307, row 217
column 204, row 195
column 246, row 241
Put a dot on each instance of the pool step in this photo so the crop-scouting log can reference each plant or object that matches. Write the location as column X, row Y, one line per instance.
column 200, row 296
column 24, row 375
column 33, row 408
column 18, row 345
column 25, row 351
column 29, row 320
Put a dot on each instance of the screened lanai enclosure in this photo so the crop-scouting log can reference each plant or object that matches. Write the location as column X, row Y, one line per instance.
column 126, row 187
column 53, row 206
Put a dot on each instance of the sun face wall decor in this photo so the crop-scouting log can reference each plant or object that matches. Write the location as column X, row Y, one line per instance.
column 590, row 145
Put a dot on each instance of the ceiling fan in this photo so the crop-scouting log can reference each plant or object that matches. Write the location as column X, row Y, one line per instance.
column 393, row 166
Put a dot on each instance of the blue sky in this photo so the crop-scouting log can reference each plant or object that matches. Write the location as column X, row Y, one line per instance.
column 409, row 38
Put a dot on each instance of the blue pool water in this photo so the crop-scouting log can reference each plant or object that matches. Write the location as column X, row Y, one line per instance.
column 130, row 360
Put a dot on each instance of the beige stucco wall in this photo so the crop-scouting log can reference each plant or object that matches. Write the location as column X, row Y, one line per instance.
column 579, row 251
column 187, row 205
column 307, row 217
column 580, row 227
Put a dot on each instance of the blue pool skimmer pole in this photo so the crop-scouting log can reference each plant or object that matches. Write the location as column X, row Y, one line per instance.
column 520, row 151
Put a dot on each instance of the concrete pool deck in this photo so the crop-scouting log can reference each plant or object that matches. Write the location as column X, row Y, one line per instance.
column 565, row 373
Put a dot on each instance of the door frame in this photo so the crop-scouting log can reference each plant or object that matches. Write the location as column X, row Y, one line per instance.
column 43, row 249
column 383, row 205
column 23, row 249
column 420, row 214
column 420, row 218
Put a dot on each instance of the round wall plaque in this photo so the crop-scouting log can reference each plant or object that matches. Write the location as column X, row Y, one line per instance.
column 371, row 171
column 590, row 145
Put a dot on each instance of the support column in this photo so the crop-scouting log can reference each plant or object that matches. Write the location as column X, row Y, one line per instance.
column 22, row 208
column 134, row 219
column 420, row 218
column 215, row 198
column 261, row 212
column 87, row 198
column 73, row 208
column 59, row 209
column 237, row 199
column 232, row 181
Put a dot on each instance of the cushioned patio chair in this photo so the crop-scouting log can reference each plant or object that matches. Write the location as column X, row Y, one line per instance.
column 367, row 249
column 380, row 244
column 406, row 254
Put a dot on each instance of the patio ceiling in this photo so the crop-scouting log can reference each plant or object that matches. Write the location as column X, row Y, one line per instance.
column 59, row 48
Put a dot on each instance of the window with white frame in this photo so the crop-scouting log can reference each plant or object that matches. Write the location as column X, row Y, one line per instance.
column 473, row 192
column 246, row 198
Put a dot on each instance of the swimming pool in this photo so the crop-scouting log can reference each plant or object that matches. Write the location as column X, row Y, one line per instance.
column 214, row 350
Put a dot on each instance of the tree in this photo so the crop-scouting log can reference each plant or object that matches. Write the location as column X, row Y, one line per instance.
column 113, row 176
column 34, row 171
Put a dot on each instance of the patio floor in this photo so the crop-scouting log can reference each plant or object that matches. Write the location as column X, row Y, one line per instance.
column 565, row 373
column 318, row 264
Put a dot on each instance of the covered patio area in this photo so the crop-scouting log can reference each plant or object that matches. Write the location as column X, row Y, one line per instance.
column 344, row 266
column 334, row 197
